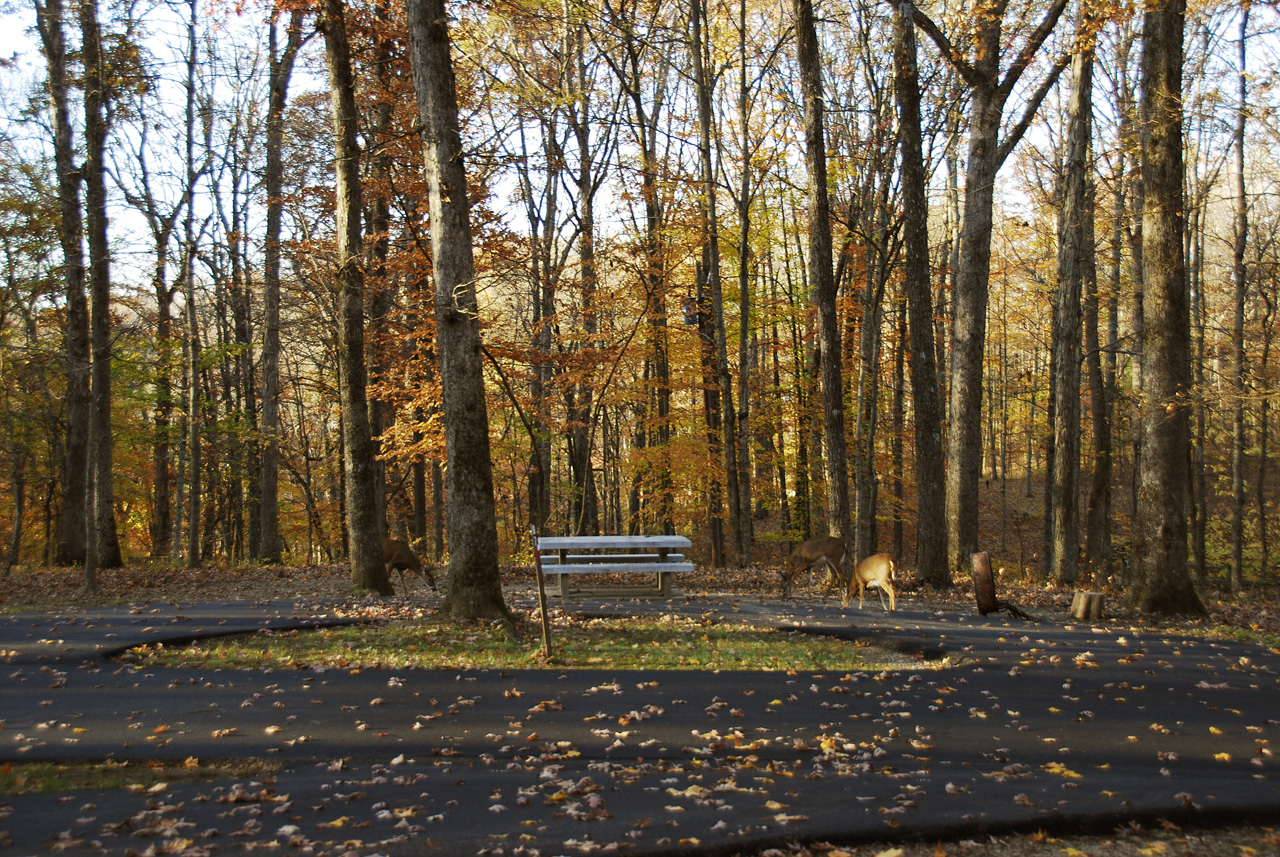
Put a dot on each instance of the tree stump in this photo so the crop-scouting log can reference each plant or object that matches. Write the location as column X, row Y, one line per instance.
column 984, row 585
column 1086, row 605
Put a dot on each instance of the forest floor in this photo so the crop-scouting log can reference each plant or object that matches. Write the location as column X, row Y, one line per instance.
column 1251, row 617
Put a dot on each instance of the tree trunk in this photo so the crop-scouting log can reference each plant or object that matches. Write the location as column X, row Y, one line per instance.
column 1163, row 585
column 475, row 589
column 1074, row 244
column 745, row 533
column 584, row 505
column 721, row 418
column 368, row 574
column 195, row 419
column 101, row 522
column 380, row 299
column 269, row 546
column 824, row 286
column 1264, row 407
column 1098, row 554
column 72, row 524
column 990, row 92
column 899, row 425
column 931, row 533
column 1240, row 281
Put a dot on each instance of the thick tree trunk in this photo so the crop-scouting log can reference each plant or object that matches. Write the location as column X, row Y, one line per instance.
column 269, row 545
column 72, row 528
column 101, row 519
column 475, row 589
column 990, row 92
column 368, row 573
column 839, row 520
column 964, row 447
column 1163, row 585
column 931, row 533
column 1074, row 244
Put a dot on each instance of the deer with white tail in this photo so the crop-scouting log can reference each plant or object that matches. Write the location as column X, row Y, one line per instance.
column 877, row 570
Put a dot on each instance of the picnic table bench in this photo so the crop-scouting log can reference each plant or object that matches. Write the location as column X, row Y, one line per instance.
column 656, row 556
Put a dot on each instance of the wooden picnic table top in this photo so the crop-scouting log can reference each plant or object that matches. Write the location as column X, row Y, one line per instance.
column 659, row 542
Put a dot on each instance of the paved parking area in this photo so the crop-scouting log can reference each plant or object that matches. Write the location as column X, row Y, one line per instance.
column 1020, row 726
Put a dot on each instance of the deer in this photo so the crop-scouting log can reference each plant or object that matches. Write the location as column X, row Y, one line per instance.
column 398, row 556
column 806, row 555
column 877, row 570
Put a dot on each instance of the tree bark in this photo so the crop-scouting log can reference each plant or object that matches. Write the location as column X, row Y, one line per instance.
column 824, row 285
column 1241, row 283
column 987, row 152
column 368, row 574
column 1098, row 552
column 1074, row 243
column 931, row 533
column 100, row 521
column 584, row 504
column 1163, row 585
column 475, row 589
column 72, row 527
column 195, row 401
column 270, row 548
column 721, row 417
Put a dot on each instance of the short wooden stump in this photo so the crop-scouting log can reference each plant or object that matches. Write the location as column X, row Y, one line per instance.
column 1086, row 605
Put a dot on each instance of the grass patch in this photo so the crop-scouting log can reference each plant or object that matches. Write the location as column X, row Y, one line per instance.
column 633, row 642
column 22, row 778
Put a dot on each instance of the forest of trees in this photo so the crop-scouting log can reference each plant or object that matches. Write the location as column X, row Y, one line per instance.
column 933, row 277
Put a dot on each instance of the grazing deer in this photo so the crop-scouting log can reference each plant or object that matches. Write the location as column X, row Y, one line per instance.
column 876, row 570
column 398, row 556
column 805, row 556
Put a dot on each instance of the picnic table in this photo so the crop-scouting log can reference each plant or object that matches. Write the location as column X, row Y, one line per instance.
column 658, row 557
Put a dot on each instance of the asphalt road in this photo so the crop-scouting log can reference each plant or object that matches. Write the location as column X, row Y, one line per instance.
column 1021, row 726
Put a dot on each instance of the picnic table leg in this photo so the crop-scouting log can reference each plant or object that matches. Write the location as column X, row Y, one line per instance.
column 564, row 578
column 664, row 583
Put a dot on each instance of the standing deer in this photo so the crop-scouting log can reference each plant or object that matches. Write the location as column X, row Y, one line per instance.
column 398, row 556
column 805, row 556
column 876, row 570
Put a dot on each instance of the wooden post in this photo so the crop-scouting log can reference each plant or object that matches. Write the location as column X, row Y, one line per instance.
column 542, row 595
column 984, row 586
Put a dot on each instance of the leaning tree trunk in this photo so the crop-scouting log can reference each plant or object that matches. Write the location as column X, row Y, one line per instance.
column 1163, row 584
column 368, row 574
column 475, row 589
